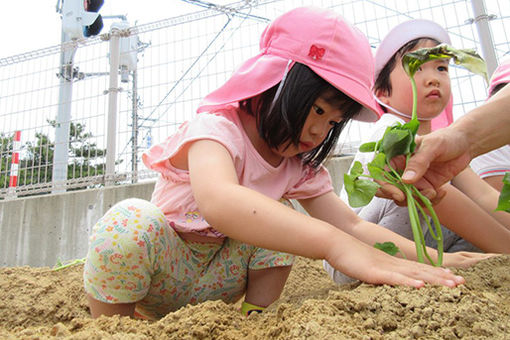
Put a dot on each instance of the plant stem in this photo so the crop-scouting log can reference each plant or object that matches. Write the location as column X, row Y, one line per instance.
column 429, row 226
column 414, row 115
column 415, row 224
column 414, row 218
column 438, row 236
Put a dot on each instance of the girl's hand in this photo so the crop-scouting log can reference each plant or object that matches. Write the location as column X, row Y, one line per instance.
column 374, row 266
column 464, row 259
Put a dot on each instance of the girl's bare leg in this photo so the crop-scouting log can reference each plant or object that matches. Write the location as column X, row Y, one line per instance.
column 266, row 285
column 98, row 308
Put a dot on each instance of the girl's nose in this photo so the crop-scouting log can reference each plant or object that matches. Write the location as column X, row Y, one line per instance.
column 432, row 80
column 318, row 130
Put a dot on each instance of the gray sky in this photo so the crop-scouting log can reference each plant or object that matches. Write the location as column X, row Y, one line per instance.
column 28, row 25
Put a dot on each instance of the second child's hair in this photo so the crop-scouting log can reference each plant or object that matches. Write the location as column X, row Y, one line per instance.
column 284, row 123
column 382, row 83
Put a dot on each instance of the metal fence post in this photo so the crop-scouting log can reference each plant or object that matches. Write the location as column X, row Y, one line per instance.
column 63, row 123
column 112, row 106
column 134, row 135
column 484, row 33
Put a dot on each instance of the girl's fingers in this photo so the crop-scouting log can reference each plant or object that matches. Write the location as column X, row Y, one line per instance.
column 416, row 275
column 390, row 191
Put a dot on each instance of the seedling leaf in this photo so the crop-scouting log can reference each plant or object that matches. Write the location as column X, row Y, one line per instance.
column 397, row 141
column 357, row 169
column 466, row 58
column 387, row 247
column 367, row 147
column 376, row 166
column 504, row 197
column 363, row 192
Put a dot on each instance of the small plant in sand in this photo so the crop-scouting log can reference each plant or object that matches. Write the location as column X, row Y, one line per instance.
column 504, row 197
column 399, row 140
column 62, row 265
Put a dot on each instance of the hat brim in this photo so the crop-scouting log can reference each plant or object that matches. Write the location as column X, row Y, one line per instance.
column 404, row 33
column 266, row 70
column 353, row 89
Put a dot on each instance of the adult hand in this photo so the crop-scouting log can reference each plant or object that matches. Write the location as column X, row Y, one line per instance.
column 389, row 191
column 439, row 157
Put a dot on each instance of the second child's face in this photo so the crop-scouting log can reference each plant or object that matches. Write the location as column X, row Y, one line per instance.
column 432, row 84
column 321, row 119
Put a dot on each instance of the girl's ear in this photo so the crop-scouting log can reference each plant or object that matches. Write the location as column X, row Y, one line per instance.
column 383, row 96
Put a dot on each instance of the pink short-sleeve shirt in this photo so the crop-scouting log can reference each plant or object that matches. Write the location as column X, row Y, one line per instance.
column 173, row 195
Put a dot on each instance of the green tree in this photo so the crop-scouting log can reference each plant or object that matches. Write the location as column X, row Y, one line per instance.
column 36, row 161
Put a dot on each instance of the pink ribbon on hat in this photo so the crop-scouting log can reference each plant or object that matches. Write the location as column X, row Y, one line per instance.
column 316, row 52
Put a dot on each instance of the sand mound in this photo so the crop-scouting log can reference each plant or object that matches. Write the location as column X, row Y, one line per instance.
column 39, row 303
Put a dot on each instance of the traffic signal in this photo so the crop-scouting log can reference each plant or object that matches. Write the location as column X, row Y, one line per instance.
column 94, row 28
column 80, row 18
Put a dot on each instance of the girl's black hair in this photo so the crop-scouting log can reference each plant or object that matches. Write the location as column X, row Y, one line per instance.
column 286, row 120
column 382, row 83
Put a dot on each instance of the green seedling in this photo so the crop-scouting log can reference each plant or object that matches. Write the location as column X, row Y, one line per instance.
column 399, row 140
column 504, row 197
column 389, row 248
column 61, row 265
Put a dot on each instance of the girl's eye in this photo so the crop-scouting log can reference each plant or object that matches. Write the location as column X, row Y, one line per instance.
column 318, row 110
column 442, row 68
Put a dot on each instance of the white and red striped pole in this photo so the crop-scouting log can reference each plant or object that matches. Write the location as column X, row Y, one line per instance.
column 16, row 147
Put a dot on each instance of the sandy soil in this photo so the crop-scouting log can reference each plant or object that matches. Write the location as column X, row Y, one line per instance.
column 39, row 303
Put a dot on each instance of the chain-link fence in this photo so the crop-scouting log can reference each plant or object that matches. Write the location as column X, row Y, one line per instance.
column 83, row 126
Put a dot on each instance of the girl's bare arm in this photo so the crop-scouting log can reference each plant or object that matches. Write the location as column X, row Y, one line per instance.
column 248, row 216
column 482, row 193
column 332, row 209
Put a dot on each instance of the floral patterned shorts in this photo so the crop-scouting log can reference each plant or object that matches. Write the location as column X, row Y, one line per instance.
column 135, row 256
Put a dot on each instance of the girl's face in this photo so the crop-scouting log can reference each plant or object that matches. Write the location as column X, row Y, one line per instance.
column 321, row 119
column 432, row 84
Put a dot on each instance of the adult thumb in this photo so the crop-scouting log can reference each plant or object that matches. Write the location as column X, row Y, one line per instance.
column 418, row 163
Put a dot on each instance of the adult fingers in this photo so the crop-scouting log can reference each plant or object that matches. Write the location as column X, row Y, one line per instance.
column 419, row 162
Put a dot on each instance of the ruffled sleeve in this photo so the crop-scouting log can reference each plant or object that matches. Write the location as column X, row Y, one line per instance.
column 205, row 126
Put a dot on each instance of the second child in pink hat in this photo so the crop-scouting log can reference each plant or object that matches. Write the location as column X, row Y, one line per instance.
column 493, row 165
column 215, row 229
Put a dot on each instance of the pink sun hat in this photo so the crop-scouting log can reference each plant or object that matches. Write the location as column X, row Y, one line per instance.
column 401, row 35
column 501, row 75
column 317, row 38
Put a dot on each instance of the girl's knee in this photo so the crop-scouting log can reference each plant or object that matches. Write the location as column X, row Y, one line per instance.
column 129, row 231
column 130, row 216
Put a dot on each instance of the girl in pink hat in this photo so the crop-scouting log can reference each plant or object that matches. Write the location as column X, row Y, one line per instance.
column 493, row 165
column 215, row 228
column 466, row 212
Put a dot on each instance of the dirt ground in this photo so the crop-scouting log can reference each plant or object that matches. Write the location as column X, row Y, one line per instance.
column 39, row 303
